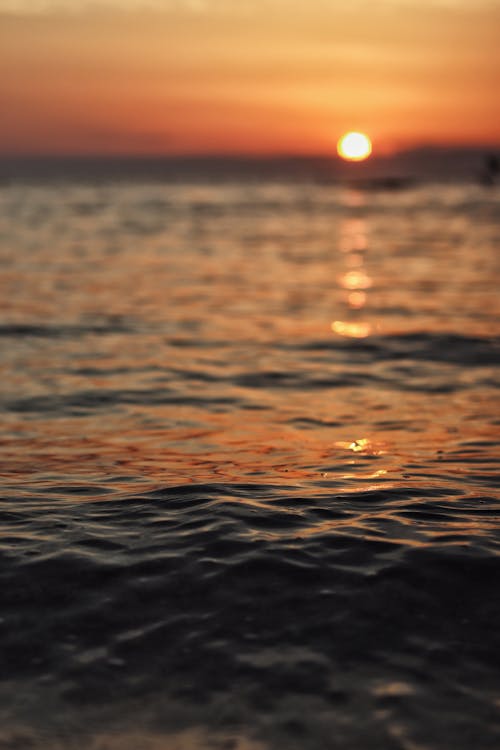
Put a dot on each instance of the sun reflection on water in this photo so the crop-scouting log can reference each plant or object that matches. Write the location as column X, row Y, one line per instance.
column 361, row 445
column 351, row 330
column 356, row 299
column 355, row 280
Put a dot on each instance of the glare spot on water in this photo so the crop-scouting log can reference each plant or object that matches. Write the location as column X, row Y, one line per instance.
column 363, row 445
column 351, row 330
column 359, row 445
column 356, row 280
column 393, row 689
column 357, row 300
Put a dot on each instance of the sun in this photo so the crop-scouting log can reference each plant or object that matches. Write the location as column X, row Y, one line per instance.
column 354, row 146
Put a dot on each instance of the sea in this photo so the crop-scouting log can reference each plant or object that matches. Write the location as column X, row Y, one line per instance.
column 249, row 464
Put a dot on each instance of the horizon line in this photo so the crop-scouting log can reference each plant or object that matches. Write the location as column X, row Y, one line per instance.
column 249, row 155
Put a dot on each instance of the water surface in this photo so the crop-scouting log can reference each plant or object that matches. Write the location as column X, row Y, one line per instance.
column 249, row 466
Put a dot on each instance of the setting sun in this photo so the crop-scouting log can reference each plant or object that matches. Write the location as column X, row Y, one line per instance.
column 354, row 146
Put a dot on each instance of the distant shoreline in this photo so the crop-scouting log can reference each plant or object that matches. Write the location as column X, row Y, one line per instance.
column 392, row 171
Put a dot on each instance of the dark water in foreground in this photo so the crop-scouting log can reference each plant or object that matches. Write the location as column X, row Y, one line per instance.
column 250, row 470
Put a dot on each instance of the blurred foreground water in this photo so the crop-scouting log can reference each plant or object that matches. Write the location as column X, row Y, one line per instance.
column 249, row 467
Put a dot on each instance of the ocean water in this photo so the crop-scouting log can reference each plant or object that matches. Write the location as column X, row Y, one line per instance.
column 250, row 493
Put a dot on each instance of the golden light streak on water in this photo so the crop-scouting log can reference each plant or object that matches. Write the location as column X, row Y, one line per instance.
column 351, row 330
column 356, row 300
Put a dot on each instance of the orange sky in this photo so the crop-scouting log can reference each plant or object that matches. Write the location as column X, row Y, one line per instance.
column 247, row 76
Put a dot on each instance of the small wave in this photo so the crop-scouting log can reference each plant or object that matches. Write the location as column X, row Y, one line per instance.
column 244, row 594
column 61, row 331
column 462, row 350
column 85, row 401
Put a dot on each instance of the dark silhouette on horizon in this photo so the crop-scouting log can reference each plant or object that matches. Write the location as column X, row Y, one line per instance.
column 491, row 170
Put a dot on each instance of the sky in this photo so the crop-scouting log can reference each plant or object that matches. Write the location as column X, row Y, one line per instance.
column 247, row 76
